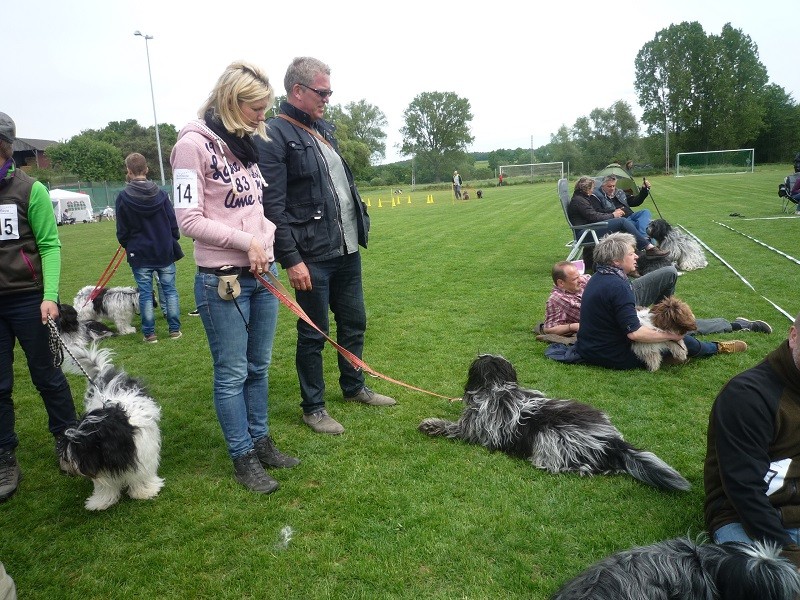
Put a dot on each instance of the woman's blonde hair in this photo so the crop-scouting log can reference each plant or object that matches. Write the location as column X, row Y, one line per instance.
column 240, row 82
column 582, row 184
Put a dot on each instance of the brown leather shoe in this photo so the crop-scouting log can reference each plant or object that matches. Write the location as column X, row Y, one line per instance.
column 731, row 346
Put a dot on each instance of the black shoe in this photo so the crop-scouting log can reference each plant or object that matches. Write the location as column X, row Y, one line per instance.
column 249, row 472
column 270, row 456
column 10, row 474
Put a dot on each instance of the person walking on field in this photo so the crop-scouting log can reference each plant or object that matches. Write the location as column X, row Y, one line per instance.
column 321, row 221
column 148, row 230
column 457, row 185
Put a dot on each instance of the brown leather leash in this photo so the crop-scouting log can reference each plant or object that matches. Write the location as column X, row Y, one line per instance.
column 106, row 276
column 273, row 284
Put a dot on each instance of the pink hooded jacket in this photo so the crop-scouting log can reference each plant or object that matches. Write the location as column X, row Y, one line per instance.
column 218, row 201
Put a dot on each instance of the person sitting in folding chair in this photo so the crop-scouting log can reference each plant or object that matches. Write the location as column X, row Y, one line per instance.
column 612, row 199
column 585, row 208
column 794, row 194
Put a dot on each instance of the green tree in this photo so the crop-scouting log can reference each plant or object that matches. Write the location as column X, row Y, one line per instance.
column 88, row 158
column 365, row 123
column 437, row 132
column 355, row 152
column 780, row 137
column 703, row 89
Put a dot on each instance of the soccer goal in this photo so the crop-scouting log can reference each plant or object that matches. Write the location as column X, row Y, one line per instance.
column 715, row 162
column 532, row 172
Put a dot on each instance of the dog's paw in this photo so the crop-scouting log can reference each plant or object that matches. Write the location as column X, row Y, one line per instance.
column 101, row 502
column 432, row 426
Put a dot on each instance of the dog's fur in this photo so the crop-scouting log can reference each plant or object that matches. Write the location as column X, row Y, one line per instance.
column 683, row 249
column 78, row 333
column 672, row 315
column 117, row 442
column 465, row 195
column 681, row 569
column 479, row 194
column 117, row 304
column 554, row 435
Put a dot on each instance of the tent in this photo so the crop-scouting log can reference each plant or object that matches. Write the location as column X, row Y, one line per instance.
column 79, row 205
column 625, row 180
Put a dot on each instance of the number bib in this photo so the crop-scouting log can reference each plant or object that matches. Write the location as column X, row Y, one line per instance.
column 9, row 222
column 184, row 190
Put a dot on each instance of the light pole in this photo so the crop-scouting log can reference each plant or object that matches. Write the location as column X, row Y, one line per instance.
column 153, row 98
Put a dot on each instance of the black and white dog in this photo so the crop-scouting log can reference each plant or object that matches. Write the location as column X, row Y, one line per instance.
column 117, row 442
column 683, row 570
column 117, row 304
column 683, row 249
column 554, row 435
column 78, row 333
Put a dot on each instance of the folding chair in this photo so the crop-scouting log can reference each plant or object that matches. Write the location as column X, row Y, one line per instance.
column 584, row 236
column 784, row 190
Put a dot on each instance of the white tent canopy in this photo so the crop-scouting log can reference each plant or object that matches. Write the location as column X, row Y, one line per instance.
column 79, row 205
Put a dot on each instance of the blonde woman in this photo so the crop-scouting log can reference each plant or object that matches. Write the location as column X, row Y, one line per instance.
column 218, row 191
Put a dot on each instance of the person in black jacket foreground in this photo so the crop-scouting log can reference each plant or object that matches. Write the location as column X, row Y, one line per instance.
column 752, row 466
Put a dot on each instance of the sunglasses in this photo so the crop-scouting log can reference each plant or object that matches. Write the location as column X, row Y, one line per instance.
column 321, row 93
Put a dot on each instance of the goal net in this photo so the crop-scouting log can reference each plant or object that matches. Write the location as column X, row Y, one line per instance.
column 715, row 162
column 532, row 172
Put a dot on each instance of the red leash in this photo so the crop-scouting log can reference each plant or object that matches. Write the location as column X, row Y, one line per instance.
column 279, row 291
column 107, row 274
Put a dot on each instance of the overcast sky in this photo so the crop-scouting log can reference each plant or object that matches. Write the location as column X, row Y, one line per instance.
column 523, row 65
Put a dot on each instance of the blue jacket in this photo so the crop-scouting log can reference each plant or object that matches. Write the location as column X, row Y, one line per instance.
column 146, row 225
column 299, row 196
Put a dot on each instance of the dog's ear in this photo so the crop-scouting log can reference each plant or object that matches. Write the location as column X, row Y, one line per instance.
column 489, row 369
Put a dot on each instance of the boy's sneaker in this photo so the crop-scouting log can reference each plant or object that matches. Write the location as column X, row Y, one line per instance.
column 757, row 326
column 10, row 474
column 150, row 339
column 175, row 335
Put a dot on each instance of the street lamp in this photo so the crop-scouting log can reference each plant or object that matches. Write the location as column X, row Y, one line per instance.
column 153, row 97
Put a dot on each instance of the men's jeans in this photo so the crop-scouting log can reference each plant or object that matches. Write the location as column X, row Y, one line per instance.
column 336, row 283
column 626, row 226
column 641, row 218
column 144, row 281
column 734, row 532
column 20, row 318
column 241, row 350
column 654, row 286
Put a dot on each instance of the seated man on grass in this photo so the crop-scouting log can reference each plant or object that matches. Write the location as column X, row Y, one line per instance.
column 609, row 323
column 563, row 308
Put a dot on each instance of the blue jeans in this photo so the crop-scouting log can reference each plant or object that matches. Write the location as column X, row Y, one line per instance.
column 625, row 225
column 144, row 281
column 641, row 218
column 336, row 283
column 734, row 532
column 241, row 356
column 20, row 319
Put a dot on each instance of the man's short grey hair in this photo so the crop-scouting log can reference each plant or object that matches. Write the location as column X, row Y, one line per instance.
column 302, row 70
column 613, row 247
column 608, row 178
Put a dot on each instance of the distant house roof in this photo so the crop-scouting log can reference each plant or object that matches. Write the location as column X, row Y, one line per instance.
column 29, row 144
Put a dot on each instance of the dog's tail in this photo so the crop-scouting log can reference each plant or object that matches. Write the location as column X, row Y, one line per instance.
column 648, row 468
column 92, row 358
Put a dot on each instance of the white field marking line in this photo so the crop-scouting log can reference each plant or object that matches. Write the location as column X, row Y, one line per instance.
column 739, row 275
column 791, row 258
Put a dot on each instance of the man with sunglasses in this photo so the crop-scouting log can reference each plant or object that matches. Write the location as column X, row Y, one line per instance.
column 321, row 221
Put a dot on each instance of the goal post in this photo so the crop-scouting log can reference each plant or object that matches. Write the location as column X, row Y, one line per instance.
column 532, row 172
column 715, row 162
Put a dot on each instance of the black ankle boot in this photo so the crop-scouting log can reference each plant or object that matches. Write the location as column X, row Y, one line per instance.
column 249, row 472
column 270, row 456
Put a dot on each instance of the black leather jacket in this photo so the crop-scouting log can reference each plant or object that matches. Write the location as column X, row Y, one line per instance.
column 299, row 196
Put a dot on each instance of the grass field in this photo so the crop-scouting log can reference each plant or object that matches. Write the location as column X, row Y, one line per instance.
column 383, row 511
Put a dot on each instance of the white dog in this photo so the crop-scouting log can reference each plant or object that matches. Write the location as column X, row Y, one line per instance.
column 117, row 443
column 117, row 304
column 683, row 249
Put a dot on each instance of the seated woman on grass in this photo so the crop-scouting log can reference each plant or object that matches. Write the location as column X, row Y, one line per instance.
column 608, row 319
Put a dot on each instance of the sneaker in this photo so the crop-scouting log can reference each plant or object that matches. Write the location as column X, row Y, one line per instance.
column 150, row 339
column 321, row 422
column 655, row 252
column 731, row 346
column 10, row 474
column 270, row 456
column 756, row 326
column 367, row 396
column 175, row 335
column 194, row 313
column 249, row 472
